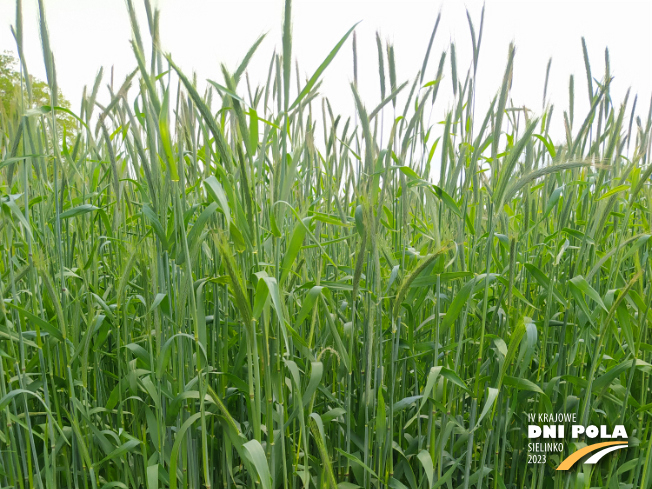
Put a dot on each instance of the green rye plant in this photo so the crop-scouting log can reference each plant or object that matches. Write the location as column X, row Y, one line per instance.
column 235, row 287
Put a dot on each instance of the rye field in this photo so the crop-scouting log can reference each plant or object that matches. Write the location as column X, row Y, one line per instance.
column 235, row 287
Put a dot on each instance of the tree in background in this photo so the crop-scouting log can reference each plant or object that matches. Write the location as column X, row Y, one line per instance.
column 39, row 94
column 9, row 81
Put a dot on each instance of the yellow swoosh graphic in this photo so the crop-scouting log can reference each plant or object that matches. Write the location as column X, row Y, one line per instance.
column 574, row 457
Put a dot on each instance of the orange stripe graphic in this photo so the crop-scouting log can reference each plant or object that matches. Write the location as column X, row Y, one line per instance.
column 574, row 457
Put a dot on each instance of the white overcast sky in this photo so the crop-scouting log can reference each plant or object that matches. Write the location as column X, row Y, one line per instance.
column 201, row 34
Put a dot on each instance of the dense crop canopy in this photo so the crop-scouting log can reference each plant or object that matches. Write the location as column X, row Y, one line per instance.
column 237, row 288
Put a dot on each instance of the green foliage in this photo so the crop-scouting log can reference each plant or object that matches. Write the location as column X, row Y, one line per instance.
column 36, row 94
column 9, row 81
column 190, row 297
